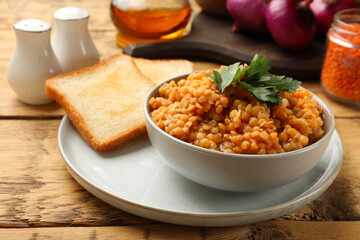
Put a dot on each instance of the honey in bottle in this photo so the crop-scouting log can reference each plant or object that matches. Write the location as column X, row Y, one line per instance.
column 149, row 20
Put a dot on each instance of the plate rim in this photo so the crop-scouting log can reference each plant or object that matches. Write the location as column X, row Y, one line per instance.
column 300, row 198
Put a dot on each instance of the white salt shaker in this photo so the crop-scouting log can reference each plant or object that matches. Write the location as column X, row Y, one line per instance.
column 72, row 43
column 32, row 62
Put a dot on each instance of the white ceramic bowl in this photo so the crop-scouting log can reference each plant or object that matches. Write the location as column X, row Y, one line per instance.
column 236, row 172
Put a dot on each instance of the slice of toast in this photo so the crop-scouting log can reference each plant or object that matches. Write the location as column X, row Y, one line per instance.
column 104, row 102
column 161, row 70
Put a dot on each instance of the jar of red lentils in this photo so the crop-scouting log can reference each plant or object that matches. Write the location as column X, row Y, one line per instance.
column 340, row 76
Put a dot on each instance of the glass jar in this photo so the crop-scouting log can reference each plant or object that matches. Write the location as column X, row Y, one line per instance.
column 340, row 75
column 149, row 20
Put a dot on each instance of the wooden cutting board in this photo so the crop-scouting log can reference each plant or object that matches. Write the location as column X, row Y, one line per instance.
column 211, row 39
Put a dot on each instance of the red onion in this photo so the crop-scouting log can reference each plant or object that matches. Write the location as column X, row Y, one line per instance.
column 248, row 14
column 325, row 10
column 291, row 23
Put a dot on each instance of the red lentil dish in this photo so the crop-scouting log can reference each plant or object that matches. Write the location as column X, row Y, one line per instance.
column 234, row 121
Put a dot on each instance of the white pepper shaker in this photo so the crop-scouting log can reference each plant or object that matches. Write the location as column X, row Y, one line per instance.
column 72, row 43
column 32, row 62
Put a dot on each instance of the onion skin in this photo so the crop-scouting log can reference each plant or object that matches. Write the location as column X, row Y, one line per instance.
column 291, row 23
column 325, row 10
column 248, row 14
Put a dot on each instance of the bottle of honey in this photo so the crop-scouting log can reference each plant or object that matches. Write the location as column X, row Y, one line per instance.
column 149, row 20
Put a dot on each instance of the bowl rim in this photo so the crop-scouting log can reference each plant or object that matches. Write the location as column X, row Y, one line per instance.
column 308, row 148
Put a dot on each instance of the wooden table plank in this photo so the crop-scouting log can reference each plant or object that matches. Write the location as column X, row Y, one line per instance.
column 38, row 191
column 127, row 232
column 104, row 41
column 288, row 230
column 13, row 11
column 40, row 200
column 267, row 230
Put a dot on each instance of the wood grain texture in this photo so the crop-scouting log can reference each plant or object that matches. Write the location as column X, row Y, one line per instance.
column 289, row 230
column 271, row 230
column 38, row 191
column 12, row 11
column 40, row 200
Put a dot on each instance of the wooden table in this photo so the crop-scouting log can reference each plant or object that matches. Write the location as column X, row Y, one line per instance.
column 40, row 200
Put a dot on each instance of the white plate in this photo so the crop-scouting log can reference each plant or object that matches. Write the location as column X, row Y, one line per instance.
column 135, row 180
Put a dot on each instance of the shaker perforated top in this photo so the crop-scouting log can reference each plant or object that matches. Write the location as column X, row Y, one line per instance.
column 71, row 13
column 32, row 25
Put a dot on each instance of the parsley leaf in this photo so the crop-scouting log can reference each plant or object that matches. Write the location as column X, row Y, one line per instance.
column 228, row 75
column 258, row 66
column 282, row 83
column 256, row 79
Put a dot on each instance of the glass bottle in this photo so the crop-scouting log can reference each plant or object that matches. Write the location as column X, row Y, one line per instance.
column 340, row 75
column 149, row 20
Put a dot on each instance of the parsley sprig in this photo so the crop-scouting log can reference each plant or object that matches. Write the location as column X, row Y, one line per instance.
column 256, row 79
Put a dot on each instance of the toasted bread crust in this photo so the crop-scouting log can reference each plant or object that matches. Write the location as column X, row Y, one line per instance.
column 78, row 120
column 54, row 90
